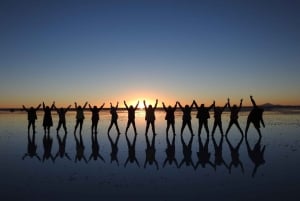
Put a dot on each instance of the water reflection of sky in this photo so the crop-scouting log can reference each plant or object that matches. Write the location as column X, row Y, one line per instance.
column 65, row 179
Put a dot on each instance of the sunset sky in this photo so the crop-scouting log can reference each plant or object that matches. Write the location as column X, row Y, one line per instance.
column 108, row 51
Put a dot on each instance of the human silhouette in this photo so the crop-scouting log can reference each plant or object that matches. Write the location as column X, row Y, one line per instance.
column 256, row 154
column 170, row 117
column 62, row 117
column 219, row 160
column 203, row 154
column 203, row 116
column 62, row 147
column 186, row 117
column 150, row 152
column 114, row 118
column 218, row 118
column 47, row 121
column 234, row 111
column 95, row 148
column 131, row 151
column 31, row 147
column 235, row 156
column 79, row 148
column 47, row 142
column 187, row 152
column 131, row 116
column 114, row 149
column 150, row 116
column 95, row 116
column 79, row 116
column 170, row 152
column 255, row 117
column 31, row 116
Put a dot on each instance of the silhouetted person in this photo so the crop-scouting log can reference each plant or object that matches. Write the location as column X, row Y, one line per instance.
column 235, row 156
column 203, row 154
column 219, row 160
column 79, row 116
column 47, row 121
column 186, row 117
column 203, row 116
column 255, row 117
column 79, row 149
column 131, row 151
column 170, row 152
column 150, row 117
column 62, row 118
column 31, row 147
column 187, row 152
column 170, row 117
column 131, row 116
column 95, row 116
column 234, row 111
column 31, row 116
column 150, row 152
column 62, row 147
column 114, row 118
column 256, row 154
column 95, row 148
column 218, row 118
column 114, row 149
column 47, row 142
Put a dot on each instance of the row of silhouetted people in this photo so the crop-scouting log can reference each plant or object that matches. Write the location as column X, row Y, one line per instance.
column 255, row 116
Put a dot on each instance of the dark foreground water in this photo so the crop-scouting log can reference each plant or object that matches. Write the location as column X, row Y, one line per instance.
column 197, row 174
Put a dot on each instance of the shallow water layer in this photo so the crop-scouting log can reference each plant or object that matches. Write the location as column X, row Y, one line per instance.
column 194, row 172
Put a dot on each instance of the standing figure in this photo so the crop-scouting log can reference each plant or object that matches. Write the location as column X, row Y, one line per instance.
column 62, row 117
column 234, row 111
column 95, row 116
column 203, row 116
column 114, row 118
column 186, row 118
column 255, row 117
column 79, row 116
column 131, row 116
column 170, row 117
column 47, row 121
column 218, row 118
column 150, row 117
column 31, row 116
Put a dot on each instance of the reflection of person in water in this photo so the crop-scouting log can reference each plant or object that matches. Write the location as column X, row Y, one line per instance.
column 203, row 116
column 31, row 148
column 79, row 116
column 256, row 154
column 150, row 117
column 114, row 149
column 203, row 154
column 131, row 116
column 79, row 149
column 170, row 151
column 234, row 111
column 95, row 148
column 95, row 116
column 62, row 117
column 31, row 116
column 235, row 156
column 186, row 118
column 114, row 118
column 62, row 147
column 170, row 117
column 150, row 152
column 187, row 152
column 47, row 121
column 219, row 160
column 131, row 151
column 255, row 117
column 47, row 142
column 218, row 119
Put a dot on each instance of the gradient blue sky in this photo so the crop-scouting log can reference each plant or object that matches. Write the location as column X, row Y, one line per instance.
column 102, row 51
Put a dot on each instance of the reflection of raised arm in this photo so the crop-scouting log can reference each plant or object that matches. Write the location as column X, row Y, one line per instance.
column 125, row 105
column 85, row 105
column 156, row 104
column 253, row 102
column 137, row 105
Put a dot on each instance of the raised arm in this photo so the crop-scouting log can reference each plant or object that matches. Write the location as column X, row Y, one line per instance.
column 241, row 102
column 175, row 106
column 156, row 104
column 228, row 103
column 145, row 104
column 117, row 105
column 75, row 105
column 179, row 105
column 224, row 107
column 164, row 106
column 43, row 105
column 253, row 102
column 68, row 107
column 90, row 107
column 212, row 105
column 24, row 108
column 194, row 103
column 101, row 107
column 38, row 107
column 85, row 105
column 53, row 105
column 125, row 105
column 137, row 105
